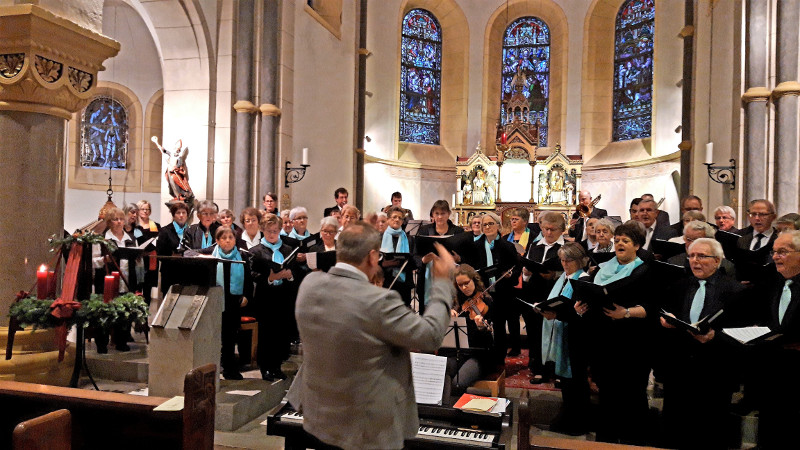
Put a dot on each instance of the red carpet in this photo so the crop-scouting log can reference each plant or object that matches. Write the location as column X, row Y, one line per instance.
column 518, row 375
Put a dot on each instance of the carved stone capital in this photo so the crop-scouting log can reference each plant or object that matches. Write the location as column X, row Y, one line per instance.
column 245, row 106
column 756, row 94
column 47, row 63
column 268, row 109
column 786, row 88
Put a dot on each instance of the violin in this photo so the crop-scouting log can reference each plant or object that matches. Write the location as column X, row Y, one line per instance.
column 475, row 306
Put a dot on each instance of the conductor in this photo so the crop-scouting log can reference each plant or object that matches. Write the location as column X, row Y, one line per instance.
column 354, row 387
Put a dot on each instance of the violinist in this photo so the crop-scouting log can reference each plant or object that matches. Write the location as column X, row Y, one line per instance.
column 473, row 301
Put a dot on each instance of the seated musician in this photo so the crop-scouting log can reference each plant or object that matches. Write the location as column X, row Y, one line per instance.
column 273, row 301
column 483, row 358
column 778, row 361
column 202, row 233
column 562, row 351
column 697, row 368
column 237, row 281
column 398, row 272
column 618, row 339
column 354, row 388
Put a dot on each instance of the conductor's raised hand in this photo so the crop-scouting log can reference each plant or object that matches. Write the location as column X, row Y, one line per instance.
column 443, row 262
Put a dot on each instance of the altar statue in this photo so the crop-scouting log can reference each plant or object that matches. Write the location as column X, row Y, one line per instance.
column 176, row 174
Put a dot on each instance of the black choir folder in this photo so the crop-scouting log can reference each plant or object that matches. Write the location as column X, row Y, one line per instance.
column 556, row 303
column 321, row 260
column 599, row 258
column 668, row 271
column 275, row 267
column 594, row 295
column 549, row 265
column 454, row 243
column 702, row 326
column 667, row 249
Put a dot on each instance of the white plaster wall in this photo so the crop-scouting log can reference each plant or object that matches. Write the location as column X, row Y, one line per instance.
column 323, row 109
column 668, row 71
column 620, row 186
column 420, row 187
column 224, row 101
column 137, row 67
column 86, row 13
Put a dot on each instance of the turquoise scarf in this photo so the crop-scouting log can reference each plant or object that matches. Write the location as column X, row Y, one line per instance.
column 180, row 230
column 387, row 246
column 276, row 255
column 237, row 270
column 488, row 246
column 555, row 345
column 296, row 235
column 611, row 271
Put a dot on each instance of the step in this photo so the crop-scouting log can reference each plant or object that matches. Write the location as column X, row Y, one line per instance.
column 235, row 410
column 130, row 366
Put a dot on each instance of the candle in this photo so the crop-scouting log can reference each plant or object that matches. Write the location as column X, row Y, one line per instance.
column 530, row 218
column 503, row 138
column 709, row 153
column 115, row 274
column 454, row 200
column 41, row 282
column 51, row 284
column 108, row 288
column 305, row 156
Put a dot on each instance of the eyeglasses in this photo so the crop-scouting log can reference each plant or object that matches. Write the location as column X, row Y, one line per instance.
column 700, row 257
column 758, row 214
column 301, row 218
column 489, row 224
column 327, row 231
column 783, row 253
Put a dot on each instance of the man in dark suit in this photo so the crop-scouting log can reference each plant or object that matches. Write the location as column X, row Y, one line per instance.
column 688, row 203
column 340, row 195
column 778, row 361
column 697, row 369
column 647, row 217
column 354, row 387
column 662, row 219
column 761, row 213
column 577, row 226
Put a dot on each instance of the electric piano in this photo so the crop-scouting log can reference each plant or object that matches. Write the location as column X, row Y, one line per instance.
column 440, row 427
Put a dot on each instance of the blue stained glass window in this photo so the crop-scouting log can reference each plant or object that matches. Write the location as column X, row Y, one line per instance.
column 104, row 134
column 633, row 70
column 526, row 45
column 420, row 78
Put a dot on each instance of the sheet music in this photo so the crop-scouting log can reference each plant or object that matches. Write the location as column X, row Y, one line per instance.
column 428, row 372
column 746, row 334
column 311, row 261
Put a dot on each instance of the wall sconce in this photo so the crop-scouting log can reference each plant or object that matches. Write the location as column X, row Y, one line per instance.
column 720, row 174
column 367, row 138
column 295, row 174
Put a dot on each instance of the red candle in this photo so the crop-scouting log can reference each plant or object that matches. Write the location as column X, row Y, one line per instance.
column 51, row 284
column 503, row 138
column 108, row 288
column 41, row 282
column 115, row 274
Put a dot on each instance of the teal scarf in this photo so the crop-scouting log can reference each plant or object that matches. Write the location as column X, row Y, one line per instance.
column 387, row 246
column 611, row 271
column 299, row 237
column 180, row 230
column 207, row 239
column 237, row 270
column 488, row 246
column 276, row 255
column 555, row 343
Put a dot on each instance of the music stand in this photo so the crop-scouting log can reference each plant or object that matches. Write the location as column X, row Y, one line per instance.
column 413, row 226
column 457, row 337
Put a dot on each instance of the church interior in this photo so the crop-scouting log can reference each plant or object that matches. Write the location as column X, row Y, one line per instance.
column 490, row 105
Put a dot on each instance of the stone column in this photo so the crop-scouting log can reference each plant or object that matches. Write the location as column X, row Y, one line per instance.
column 755, row 101
column 270, row 113
column 241, row 183
column 787, row 167
column 48, row 70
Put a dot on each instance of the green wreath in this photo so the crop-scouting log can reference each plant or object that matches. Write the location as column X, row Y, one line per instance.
column 123, row 311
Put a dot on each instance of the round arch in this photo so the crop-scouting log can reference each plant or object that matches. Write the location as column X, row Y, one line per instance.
column 554, row 17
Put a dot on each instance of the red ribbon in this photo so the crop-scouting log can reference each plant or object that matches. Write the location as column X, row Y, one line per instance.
column 63, row 309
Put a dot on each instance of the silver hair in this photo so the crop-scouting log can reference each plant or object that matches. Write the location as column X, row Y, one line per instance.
column 716, row 248
column 493, row 216
column 697, row 225
column 726, row 210
column 380, row 214
column 356, row 242
column 554, row 218
column 607, row 223
column 329, row 221
column 795, row 234
column 693, row 215
column 572, row 251
column 297, row 210
column 207, row 204
column 130, row 207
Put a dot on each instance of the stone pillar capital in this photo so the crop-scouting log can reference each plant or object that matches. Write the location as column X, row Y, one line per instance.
column 756, row 94
column 268, row 109
column 48, row 64
column 786, row 88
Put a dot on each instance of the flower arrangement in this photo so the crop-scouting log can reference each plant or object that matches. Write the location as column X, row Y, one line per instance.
column 122, row 311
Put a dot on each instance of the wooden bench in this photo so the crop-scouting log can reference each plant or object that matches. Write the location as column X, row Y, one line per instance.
column 119, row 421
column 495, row 384
column 52, row 431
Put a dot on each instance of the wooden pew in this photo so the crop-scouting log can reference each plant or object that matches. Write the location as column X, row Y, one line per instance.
column 51, row 431
column 118, row 421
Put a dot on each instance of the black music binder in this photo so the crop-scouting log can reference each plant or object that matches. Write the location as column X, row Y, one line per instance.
column 598, row 258
column 702, row 326
column 667, row 249
column 594, row 295
column 754, row 265
column 550, row 265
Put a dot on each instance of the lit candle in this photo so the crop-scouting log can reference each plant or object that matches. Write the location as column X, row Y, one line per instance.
column 709, row 153
column 503, row 138
column 305, row 156
column 115, row 274
column 41, row 282
column 108, row 288
column 51, row 284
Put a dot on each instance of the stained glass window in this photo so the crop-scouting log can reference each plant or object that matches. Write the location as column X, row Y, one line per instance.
column 104, row 134
column 420, row 78
column 633, row 70
column 526, row 47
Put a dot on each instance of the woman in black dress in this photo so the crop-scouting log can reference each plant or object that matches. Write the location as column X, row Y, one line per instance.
column 173, row 239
